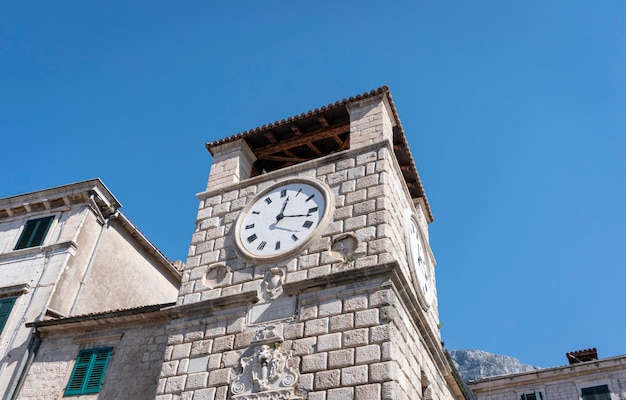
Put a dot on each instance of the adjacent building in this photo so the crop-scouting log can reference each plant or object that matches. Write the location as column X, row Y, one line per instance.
column 69, row 251
column 585, row 378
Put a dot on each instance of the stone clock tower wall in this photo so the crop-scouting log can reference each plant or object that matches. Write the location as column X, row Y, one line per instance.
column 342, row 318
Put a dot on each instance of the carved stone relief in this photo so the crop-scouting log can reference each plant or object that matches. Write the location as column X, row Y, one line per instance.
column 265, row 369
column 273, row 282
column 216, row 276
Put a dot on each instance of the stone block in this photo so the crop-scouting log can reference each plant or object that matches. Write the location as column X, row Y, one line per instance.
column 224, row 343
column 379, row 334
column 341, row 358
column 204, row 394
column 366, row 318
column 215, row 361
column 382, row 372
column 356, row 337
column 343, row 322
column 215, row 330
column 355, row 223
column 293, row 331
column 329, row 307
column 355, row 303
column 314, row 362
column 169, row 368
column 219, row 377
column 368, row 354
column 181, row 351
column 306, row 382
column 303, row 346
column 316, row 327
column 356, row 375
column 340, row 394
column 317, row 395
column 175, row 384
column 327, row 379
column 198, row 364
column 197, row 380
column 329, row 342
column 367, row 392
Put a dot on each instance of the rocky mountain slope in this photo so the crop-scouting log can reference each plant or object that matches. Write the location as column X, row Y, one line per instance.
column 478, row 364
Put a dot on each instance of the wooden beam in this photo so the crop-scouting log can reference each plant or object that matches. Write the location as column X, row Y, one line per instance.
column 271, row 137
column 345, row 145
column 323, row 121
column 296, row 130
column 314, row 149
column 294, row 160
column 300, row 140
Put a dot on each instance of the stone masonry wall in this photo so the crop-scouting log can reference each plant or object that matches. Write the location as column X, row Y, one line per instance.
column 133, row 371
column 368, row 204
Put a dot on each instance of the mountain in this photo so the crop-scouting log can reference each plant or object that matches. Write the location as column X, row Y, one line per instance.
column 478, row 364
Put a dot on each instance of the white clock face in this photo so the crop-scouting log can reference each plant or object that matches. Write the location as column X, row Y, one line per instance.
column 417, row 260
column 282, row 220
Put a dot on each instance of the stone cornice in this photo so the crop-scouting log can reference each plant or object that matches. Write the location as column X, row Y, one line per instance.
column 69, row 246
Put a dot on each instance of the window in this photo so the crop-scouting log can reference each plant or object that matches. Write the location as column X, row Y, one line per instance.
column 34, row 233
column 596, row 393
column 532, row 396
column 89, row 371
column 5, row 310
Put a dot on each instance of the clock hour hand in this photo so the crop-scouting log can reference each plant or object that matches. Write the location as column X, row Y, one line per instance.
column 280, row 215
column 297, row 215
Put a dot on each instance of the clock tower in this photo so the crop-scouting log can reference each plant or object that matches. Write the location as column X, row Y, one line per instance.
column 310, row 274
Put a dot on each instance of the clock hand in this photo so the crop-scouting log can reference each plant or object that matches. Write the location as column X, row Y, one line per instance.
column 297, row 215
column 275, row 226
column 280, row 215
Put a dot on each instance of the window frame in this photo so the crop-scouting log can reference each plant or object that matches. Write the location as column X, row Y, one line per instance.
column 539, row 394
column 89, row 371
column 602, row 385
column 9, row 303
column 593, row 383
column 32, row 230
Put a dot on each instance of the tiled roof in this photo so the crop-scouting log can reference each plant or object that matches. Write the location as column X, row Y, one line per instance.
column 575, row 357
column 334, row 116
column 102, row 315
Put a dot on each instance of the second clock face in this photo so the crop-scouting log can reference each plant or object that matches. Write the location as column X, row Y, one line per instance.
column 417, row 260
column 281, row 220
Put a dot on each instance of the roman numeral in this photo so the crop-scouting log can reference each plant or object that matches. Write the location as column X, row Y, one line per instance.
column 310, row 197
column 283, row 193
column 250, row 226
column 294, row 238
column 312, row 210
column 277, row 247
column 307, row 224
column 261, row 245
column 268, row 200
column 251, row 238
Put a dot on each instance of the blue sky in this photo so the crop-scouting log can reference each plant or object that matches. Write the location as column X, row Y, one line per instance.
column 514, row 112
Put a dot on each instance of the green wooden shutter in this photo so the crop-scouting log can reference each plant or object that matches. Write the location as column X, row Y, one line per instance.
column 98, row 368
column 6, row 305
column 81, row 370
column 34, row 233
column 89, row 371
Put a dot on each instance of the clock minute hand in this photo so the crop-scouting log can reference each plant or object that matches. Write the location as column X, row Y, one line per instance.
column 297, row 215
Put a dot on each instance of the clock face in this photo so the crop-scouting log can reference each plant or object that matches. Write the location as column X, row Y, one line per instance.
column 283, row 219
column 417, row 260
